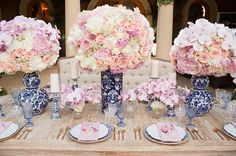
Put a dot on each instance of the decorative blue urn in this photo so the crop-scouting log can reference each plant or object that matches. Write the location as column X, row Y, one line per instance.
column 32, row 93
column 111, row 88
column 199, row 98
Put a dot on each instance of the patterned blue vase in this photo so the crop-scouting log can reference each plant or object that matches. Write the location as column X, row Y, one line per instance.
column 111, row 88
column 32, row 93
column 199, row 97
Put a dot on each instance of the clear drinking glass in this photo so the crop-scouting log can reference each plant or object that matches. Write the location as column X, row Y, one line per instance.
column 180, row 112
column 120, row 116
column 226, row 99
column 131, row 109
column 28, row 113
column 14, row 94
column 230, row 113
column 191, row 113
column 111, row 110
column 110, row 114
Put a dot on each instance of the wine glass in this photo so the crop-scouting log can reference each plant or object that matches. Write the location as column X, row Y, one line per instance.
column 180, row 112
column 230, row 114
column 191, row 113
column 111, row 110
column 28, row 113
column 14, row 94
column 226, row 99
column 131, row 108
column 110, row 114
column 120, row 116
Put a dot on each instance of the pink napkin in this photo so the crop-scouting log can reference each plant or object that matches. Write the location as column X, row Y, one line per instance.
column 168, row 132
column 4, row 126
column 89, row 131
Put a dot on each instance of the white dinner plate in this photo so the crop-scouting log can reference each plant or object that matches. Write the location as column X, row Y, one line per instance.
column 152, row 132
column 10, row 131
column 229, row 128
column 103, row 131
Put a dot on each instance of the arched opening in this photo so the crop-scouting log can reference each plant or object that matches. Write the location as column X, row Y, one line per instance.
column 193, row 9
column 39, row 10
column 198, row 10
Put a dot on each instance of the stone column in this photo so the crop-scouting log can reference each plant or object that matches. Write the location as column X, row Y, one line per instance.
column 164, row 31
column 72, row 8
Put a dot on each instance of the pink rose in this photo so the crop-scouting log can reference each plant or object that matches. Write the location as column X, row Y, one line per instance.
column 203, row 57
column 100, row 39
column 121, row 43
column 214, row 54
column 102, row 54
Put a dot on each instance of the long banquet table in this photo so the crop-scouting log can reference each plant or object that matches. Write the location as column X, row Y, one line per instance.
column 48, row 137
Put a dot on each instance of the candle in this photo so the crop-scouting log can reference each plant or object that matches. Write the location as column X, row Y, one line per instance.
column 74, row 70
column 154, row 69
column 54, row 83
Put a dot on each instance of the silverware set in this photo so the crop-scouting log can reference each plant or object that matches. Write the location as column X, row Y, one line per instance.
column 63, row 130
column 194, row 133
column 221, row 134
column 23, row 133
column 138, row 133
column 120, row 135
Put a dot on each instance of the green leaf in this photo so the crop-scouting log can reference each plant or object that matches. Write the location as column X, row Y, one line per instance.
column 164, row 2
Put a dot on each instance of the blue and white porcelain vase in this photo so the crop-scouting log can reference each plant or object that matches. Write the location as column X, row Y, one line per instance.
column 199, row 98
column 111, row 88
column 32, row 93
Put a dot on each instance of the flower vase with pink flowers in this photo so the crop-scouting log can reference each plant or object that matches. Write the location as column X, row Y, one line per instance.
column 76, row 98
column 161, row 89
column 111, row 40
column 28, row 45
column 203, row 49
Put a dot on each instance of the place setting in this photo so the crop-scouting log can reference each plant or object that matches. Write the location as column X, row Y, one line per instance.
column 166, row 133
column 230, row 130
column 8, row 129
column 90, row 132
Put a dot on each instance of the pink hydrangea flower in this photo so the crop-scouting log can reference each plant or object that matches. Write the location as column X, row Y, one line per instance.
column 97, row 36
column 204, row 48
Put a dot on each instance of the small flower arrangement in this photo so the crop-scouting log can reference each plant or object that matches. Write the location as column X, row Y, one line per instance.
column 204, row 49
column 78, row 97
column 112, row 38
column 162, row 89
column 27, row 45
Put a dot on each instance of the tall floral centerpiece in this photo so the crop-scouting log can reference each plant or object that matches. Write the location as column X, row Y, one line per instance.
column 111, row 40
column 203, row 49
column 28, row 45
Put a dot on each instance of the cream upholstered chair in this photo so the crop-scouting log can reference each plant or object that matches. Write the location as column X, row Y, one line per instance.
column 131, row 78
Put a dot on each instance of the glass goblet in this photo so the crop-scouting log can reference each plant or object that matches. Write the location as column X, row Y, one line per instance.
column 226, row 99
column 110, row 111
column 14, row 94
column 110, row 114
column 180, row 113
column 120, row 116
column 131, row 108
column 191, row 113
column 28, row 113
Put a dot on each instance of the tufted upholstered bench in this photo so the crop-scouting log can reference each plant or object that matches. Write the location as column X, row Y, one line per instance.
column 131, row 78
